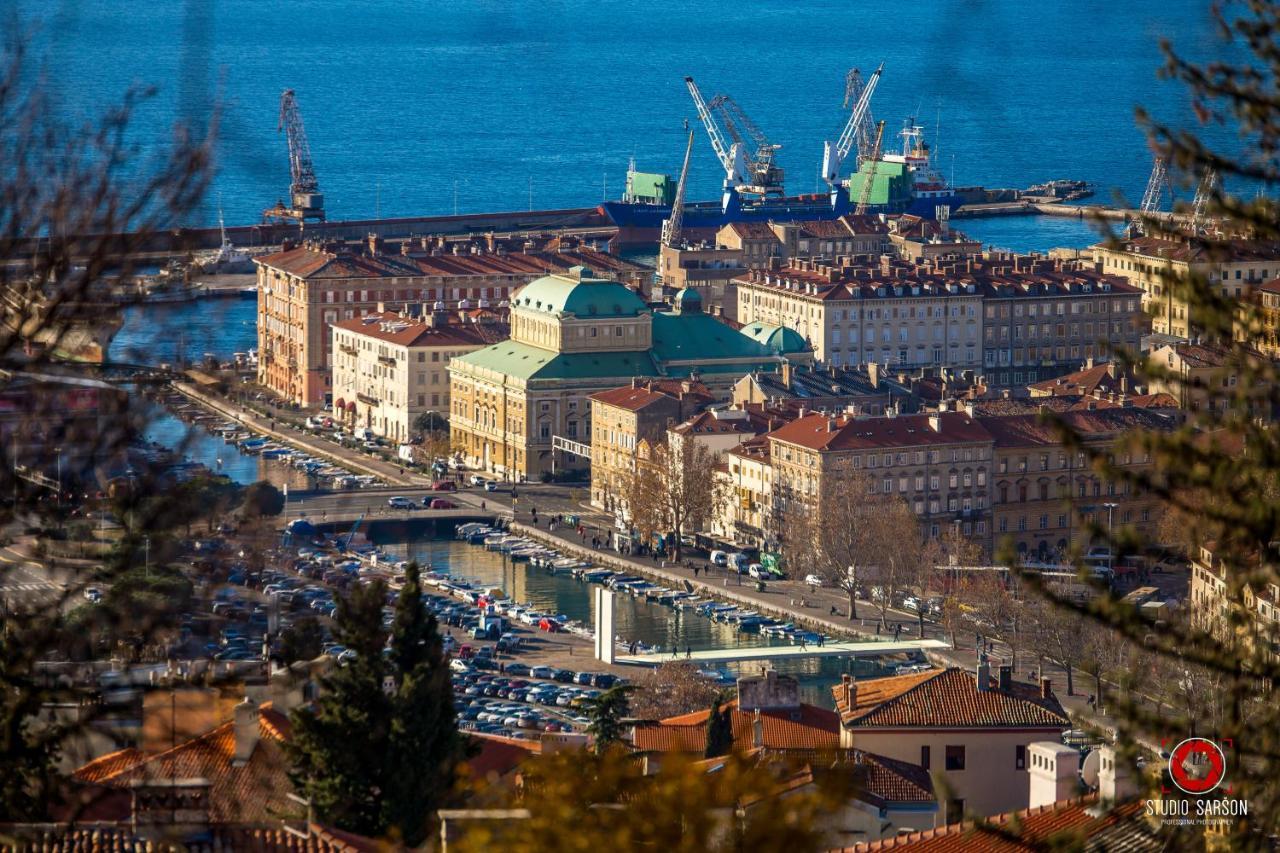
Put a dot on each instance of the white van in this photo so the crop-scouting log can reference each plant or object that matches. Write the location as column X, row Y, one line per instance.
column 739, row 562
column 719, row 558
column 364, row 434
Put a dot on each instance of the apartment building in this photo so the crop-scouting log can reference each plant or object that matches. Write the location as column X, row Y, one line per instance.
column 1267, row 337
column 940, row 464
column 1206, row 376
column 1041, row 318
column 857, row 312
column 1151, row 263
column 1045, row 494
column 1211, row 602
column 305, row 289
column 625, row 418
column 389, row 368
column 1017, row 319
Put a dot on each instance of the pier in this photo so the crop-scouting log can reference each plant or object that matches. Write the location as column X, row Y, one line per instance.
column 762, row 654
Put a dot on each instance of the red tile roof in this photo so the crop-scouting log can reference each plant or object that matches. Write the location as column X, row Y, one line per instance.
column 806, row 727
column 820, row 432
column 946, row 698
column 1236, row 251
column 390, row 327
column 313, row 262
column 1067, row 825
column 253, row 792
column 92, row 837
column 645, row 393
column 1103, row 377
column 1103, row 422
column 497, row 756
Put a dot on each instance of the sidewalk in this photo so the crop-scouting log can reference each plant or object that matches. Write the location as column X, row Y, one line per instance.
column 282, row 431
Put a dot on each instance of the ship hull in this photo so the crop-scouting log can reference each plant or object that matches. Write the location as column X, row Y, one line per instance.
column 709, row 214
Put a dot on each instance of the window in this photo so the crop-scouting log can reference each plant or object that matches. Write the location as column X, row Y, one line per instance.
column 924, row 757
column 955, row 757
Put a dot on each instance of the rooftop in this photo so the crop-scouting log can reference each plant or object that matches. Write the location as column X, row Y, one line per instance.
column 806, row 727
column 579, row 293
column 643, row 393
column 945, row 698
column 393, row 328
column 1232, row 251
column 821, row 432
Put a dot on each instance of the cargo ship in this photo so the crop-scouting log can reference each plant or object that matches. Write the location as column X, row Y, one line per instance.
column 901, row 183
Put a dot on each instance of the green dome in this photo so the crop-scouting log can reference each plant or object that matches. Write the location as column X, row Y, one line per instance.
column 688, row 301
column 780, row 339
column 576, row 292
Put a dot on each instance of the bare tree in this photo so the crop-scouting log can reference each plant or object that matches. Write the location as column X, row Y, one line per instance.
column 671, row 492
column 673, row 688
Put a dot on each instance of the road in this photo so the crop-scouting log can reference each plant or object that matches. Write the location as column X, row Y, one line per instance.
column 26, row 583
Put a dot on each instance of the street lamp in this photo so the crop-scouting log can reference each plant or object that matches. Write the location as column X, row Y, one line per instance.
column 146, row 551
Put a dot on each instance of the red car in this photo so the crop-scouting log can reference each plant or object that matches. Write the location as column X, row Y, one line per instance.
column 441, row 503
column 444, row 486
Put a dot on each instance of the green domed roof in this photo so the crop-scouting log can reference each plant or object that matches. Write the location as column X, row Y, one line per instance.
column 688, row 300
column 576, row 292
column 780, row 339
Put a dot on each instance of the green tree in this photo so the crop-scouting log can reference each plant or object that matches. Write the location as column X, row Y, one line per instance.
column 301, row 641
column 262, row 499
column 606, row 712
column 378, row 753
column 339, row 748
column 719, row 731
column 425, row 744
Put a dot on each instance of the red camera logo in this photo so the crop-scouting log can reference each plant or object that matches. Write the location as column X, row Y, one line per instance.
column 1197, row 766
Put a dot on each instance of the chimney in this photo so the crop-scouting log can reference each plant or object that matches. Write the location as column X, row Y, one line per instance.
column 757, row 730
column 375, row 245
column 1052, row 768
column 850, row 689
column 1046, row 688
column 1006, row 678
column 982, row 674
column 1114, row 780
column 246, row 731
column 873, row 373
column 935, row 422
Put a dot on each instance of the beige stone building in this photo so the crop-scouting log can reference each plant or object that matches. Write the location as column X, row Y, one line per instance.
column 1211, row 603
column 622, row 420
column 304, row 290
column 940, row 464
column 1149, row 263
column 970, row 729
column 1044, row 495
column 389, row 368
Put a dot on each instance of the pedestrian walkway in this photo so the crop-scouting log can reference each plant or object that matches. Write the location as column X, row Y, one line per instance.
column 766, row 653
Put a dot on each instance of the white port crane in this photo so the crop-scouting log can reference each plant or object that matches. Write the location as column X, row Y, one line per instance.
column 1205, row 191
column 671, row 226
column 864, row 134
column 731, row 156
column 834, row 154
column 1156, row 185
column 764, row 177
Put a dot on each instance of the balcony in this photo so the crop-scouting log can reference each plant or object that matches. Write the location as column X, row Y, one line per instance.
column 367, row 400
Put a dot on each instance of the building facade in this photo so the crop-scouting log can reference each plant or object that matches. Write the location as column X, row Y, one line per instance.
column 304, row 290
column 390, row 368
column 1152, row 264
column 623, row 418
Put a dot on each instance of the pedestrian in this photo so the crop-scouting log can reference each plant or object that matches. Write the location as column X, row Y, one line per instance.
column 822, row 639
column 833, row 610
column 897, row 631
column 802, row 645
column 695, row 571
column 688, row 652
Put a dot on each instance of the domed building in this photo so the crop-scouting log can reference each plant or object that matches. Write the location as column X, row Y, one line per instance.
column 572, row 335
column 779, row 339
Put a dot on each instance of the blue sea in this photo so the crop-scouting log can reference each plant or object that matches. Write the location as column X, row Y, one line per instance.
column 415, row 107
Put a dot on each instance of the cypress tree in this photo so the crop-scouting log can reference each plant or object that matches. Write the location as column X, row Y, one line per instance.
column 606, row 713
column 339, row 748
column 719, row 731
column 425, row 744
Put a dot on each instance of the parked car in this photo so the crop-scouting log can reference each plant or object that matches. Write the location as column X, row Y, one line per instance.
column 582, row 678
column 720, row 558
column 813, row 580
column 757, row 571
column 490, row 486
column 444, row 486
column 477, row 480
column 399, row 502
column 543, row 672
column 93, row 594
column 563, row 675
column 519, row 669
column 441, row 503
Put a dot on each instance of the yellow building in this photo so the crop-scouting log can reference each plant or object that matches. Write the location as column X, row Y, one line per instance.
column 521, row 407
column 1150, row 263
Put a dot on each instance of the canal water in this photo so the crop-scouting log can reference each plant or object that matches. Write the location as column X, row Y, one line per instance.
column 635, row 618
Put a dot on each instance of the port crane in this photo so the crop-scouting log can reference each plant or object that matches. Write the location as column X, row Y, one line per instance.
column 1156, row 185
column 853, row 86
column 671, row 226
column 869, row 179
column 1204, row 191
column 305, row 199
column 834, row 153
column 763, row 174
column 730, row 155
